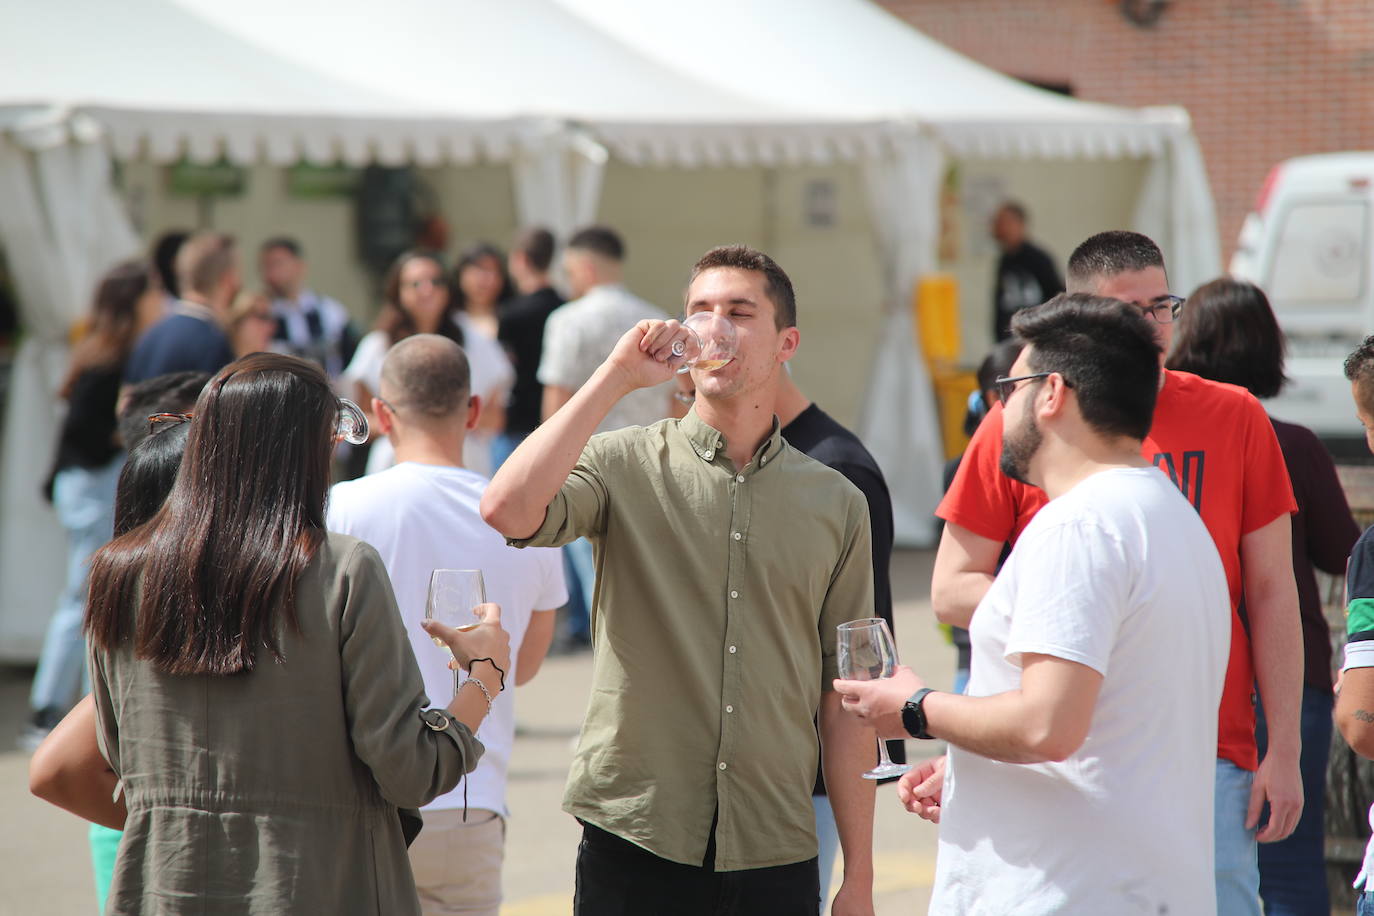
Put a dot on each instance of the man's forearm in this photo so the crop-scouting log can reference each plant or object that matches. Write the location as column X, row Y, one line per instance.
column 1276, row 644
column 848, row 749
column 516, row 499
column 957, row 596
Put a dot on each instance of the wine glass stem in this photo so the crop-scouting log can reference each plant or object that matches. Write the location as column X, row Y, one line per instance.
column 883, row 759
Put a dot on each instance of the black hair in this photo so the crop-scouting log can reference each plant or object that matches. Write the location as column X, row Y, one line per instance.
column 1359, row 371
column 1107, row 353
column 536, row 243
column 602, row 240
column 284, row 242
column 201, row 587
column 777, row 284
column 1228, row 333
column 1110, row 253
column 165, row 259
column 175, row 392
column 147, row 477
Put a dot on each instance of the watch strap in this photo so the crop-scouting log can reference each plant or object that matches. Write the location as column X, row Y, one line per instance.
column 914, row 715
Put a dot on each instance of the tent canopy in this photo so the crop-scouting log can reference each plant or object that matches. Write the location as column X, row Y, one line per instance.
column 554, row 87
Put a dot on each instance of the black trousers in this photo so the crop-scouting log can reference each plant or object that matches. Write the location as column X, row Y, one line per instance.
column 617, row 878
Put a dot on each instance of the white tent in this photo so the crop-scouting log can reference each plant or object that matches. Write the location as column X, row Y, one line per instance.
column 554, row 88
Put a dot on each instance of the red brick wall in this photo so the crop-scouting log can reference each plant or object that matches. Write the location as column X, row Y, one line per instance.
column 1262, row 79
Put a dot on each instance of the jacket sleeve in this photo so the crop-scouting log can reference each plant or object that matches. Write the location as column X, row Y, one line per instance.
column 384, row 695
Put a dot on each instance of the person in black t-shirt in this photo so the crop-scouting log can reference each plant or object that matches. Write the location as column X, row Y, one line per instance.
column 522, row 334
column 814, row 432
column 1025, row 272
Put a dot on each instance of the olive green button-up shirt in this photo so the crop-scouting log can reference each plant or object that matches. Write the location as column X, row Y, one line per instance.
column 718, row 592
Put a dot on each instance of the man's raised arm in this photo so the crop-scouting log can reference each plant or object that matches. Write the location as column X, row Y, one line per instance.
column 518, row 496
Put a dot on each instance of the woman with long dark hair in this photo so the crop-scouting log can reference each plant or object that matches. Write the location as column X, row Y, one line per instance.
column 418, row 297
column 1228, row 333
column 254, row 687
column 481, row 287
column 85, row 469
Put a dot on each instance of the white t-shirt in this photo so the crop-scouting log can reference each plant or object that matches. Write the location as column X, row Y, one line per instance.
column 1118, row 574
column 578, row 337
column 423, row 517
column 492, row 377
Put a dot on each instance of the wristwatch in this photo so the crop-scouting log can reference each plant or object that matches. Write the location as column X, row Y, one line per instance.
column 914, row 714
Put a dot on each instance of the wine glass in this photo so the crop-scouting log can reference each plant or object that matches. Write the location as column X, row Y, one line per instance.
column 453, row 597
column 867, row 652
column 711, row 342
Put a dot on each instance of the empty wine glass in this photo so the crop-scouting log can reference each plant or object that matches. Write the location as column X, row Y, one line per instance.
column 453, row 598
column 711, row 342
column 868, row 652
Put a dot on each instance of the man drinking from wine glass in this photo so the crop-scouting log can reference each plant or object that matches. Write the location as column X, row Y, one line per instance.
column 725, row 560
column 1080, row 773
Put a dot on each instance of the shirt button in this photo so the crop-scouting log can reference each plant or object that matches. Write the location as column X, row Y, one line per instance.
column 734, row 594
column 707, row 454
column 738, row 535
column 722, row 764
column 763, row 461
column 732, row 650
column 729, row 709
column 740, row 478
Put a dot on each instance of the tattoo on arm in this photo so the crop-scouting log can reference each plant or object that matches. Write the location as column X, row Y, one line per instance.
column 1364, row 715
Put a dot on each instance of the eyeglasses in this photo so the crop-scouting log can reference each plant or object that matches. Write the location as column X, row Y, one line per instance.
column 1165, row 309
column 1006, row 387
column 350, row 424
column 160, row 421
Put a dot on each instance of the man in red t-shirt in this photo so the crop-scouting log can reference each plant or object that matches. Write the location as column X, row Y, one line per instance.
column 1216, row 443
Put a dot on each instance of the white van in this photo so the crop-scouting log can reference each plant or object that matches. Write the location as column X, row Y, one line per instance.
column 1309, row 247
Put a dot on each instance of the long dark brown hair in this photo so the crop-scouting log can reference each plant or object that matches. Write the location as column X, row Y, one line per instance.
column 201, row 585
column 111, row 326
column 396, row 322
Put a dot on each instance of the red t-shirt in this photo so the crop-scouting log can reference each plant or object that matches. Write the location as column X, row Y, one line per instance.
column 1199, row 426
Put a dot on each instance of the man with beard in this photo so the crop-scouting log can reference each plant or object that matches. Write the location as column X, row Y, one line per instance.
column 1217, row 445
column 1099, row 654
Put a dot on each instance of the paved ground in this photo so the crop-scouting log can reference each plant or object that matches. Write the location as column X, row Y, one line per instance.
column 44, row 865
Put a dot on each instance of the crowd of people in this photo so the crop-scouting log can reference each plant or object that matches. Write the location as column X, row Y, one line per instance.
column 1129, row 548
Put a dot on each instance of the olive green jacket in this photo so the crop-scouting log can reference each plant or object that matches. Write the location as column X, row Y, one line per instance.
column 276, row 791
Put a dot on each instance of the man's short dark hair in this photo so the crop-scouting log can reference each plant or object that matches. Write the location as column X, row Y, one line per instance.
column 1359, row 370
column 536, row 244
column 284, row 242
column 1107, row 353
column 599, row 240
column 175, row 392
column 1016, row 209
column 1110, row 253
column 1228, row 333
column 777, row 284
column 427, row 375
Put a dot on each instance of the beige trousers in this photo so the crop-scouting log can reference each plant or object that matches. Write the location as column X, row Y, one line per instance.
column 458, row 865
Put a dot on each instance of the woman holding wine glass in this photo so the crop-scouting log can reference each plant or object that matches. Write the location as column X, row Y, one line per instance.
column 254, row 688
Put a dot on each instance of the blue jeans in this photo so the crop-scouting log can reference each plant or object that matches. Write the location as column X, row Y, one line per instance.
column 829, row 836
column 1364, row 905
column 580, row 563
column 84, row 500
column 1293, row 871
column 1237, row 864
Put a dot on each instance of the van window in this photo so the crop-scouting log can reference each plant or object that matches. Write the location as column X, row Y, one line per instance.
column 1319, row 254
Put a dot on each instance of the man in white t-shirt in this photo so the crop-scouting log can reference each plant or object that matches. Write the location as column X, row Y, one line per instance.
column 421, row 515
column 1081, row 766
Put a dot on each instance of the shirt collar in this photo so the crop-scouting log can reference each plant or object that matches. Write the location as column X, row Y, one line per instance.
column 709, row 442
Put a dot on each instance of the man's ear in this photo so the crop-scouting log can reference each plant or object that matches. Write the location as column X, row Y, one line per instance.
column 382, row 416
column 474, row 412
column 791, row 339
column 1056, row 396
